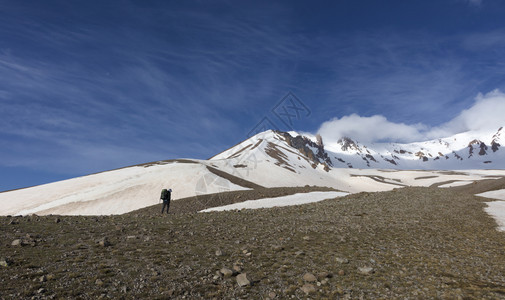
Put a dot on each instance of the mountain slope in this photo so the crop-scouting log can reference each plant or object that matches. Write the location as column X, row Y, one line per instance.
column 269, row 159
column 116, row 192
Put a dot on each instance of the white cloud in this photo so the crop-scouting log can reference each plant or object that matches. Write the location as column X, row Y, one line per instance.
column 369, row 129
column 487, row 113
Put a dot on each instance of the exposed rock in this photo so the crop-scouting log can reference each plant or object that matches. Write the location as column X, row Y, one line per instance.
column 366, row 270
column 308, row 288
column 309, row 277
column 495, row 146
column 342, row 260
column 226, row 272
column 391, row 161
column 348, row 144
column 237, row 268
column 323, row 275
column 104, row 242
column 242, row 280
column 483, row 149
column 5, row 262
column 277, row 248
column 219, row 252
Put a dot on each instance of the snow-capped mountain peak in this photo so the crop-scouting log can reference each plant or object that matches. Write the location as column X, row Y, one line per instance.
column 468, row 150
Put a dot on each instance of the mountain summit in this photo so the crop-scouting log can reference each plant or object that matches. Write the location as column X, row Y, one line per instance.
column 270, row 159
column 469, row 150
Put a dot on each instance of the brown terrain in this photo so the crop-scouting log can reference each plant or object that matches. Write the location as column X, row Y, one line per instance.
column 416, row 243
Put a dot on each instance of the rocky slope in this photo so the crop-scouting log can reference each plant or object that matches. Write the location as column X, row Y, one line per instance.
column 419, row 243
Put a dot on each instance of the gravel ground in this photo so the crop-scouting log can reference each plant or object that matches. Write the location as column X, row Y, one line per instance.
column 414, row 243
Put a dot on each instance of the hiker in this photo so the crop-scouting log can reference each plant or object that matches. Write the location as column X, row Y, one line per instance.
column 165, row 196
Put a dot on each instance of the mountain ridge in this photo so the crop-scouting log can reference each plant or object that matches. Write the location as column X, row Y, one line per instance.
column 268, row 159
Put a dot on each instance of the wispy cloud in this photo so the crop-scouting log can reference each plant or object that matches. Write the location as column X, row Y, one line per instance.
column 111, row 94
column 109, row 85
column 475, row 2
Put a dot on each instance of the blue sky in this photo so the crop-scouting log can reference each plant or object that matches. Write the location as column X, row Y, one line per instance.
column 88, row 86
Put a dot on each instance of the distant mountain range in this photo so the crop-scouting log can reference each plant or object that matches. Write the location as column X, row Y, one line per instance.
column 271, row 159
column 469, row 150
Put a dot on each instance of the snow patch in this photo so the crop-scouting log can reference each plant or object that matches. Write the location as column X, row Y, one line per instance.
column 296, row 199
column 497, row 210
column 456, row 183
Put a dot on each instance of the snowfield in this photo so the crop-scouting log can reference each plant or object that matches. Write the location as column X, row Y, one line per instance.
column 296, row 199
column 496, row 208
column 269, row 159
column 114, row 192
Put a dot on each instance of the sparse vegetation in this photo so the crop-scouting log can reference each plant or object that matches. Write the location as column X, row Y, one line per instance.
column 407, row 243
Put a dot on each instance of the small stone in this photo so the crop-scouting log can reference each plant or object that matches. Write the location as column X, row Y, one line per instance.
column 248, row 254
column 306, row 238
column 242, row 280
column 308, row 288
column 16, row 242
column 323, row 275
column 237, row 268
column 98, row 282
column 124, row 289
column 299, row 253
column 272, row 295
column 41, row 290
column 104, row 242
column 219, row 252
column 277, row 248
column 43, row 278
column 5, row 262
column 226, row 272
column 57, row 220
column 342, row 260
column 341, row 272
column 309, row 277
column 366, row 270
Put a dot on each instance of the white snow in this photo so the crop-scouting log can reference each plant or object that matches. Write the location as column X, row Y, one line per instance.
column 498, row 194
column 114, row 192
column 455, row 183
column 296, row 199
column 497, row 210
column 265, row 159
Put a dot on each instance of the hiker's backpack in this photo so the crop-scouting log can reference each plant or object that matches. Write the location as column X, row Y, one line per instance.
column 164, row 194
